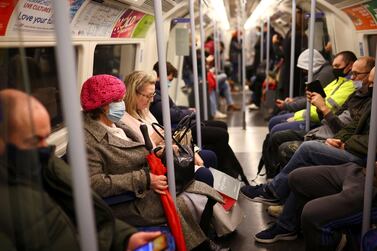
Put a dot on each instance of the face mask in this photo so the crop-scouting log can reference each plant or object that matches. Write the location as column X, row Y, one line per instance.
column 358, row 84
column 258, row 33
column 338, row 72
column 169, row 83
column 116, row 111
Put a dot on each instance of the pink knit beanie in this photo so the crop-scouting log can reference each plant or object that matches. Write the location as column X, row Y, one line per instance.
column 101, row 90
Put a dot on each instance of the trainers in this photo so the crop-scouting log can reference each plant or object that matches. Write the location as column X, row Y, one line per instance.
column 253, row 107
column 275, row 211
column 219, row 115
column 274, row 234
column 260, row 193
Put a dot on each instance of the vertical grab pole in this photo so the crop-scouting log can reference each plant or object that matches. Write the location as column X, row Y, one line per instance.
column 368, row 188
column 71, row 108
column 311, row 48
column 204, row 77
column 261, row 40
column 164, row 95
column 268, row 41
column 195, row 72
column 242, row 10
column 293, row 46
column 239, row 73
column 215, row 53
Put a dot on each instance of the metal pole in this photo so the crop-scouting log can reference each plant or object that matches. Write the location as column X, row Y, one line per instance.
column 293, row 46
column 243, row 67
column 195, row 72
column 239, row 73
column 215, row 54
column 268, row 41
column 71, row 108
column 164, row 95
column 310, row 70
column 261, row 41
column 368, row 189
column 204, row 77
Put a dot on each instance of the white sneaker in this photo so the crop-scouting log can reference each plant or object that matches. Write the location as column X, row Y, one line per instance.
column 219, row 115
column 253, row 107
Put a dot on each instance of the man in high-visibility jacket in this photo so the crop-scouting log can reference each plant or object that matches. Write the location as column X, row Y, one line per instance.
column 336, row 94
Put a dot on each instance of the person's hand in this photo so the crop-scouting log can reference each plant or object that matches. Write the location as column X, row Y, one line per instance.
column 291, row 119
column 159, row 183
column 191, row 109
column 288, row 100
column 318, row 101
column 156, row 139
column 140, row 238
column 280, row 104
column 198, row 160
column 337, row 143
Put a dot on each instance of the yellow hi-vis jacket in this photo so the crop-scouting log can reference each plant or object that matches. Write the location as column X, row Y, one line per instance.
column 337, row 93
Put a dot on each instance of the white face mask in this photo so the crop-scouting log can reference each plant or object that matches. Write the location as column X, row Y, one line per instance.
column 358, row 84
column 170, row 82
column 116, row 111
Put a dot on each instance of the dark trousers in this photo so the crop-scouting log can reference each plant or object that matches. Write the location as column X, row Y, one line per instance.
column 326, row 193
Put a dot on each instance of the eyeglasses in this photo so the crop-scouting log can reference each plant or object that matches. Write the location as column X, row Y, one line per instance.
column 147, row 96
column 355, row 73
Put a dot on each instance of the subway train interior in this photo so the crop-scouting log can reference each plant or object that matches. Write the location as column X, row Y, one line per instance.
column 270, row 104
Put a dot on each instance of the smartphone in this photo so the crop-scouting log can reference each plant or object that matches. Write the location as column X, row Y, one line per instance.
column 316, row 86
column 160, row 243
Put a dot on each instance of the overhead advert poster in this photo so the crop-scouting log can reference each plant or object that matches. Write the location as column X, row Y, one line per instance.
column 127, row 23
column 6, row 9
column 34, row 16
column 96, row 19
column 143, row 26
column 362, row 17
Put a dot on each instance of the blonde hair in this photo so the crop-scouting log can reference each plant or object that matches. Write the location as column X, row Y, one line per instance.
column 135, row 82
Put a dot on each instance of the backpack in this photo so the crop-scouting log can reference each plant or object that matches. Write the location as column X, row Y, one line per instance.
column 271, row 167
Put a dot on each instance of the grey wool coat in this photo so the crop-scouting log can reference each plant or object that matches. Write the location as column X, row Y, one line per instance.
column 117, row 166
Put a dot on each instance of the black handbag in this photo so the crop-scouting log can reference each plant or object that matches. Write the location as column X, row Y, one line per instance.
column 184, row 166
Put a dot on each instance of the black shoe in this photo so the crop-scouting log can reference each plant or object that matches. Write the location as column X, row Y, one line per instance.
column 215, row 247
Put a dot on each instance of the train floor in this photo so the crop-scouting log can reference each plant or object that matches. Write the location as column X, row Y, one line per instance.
column 247, row 145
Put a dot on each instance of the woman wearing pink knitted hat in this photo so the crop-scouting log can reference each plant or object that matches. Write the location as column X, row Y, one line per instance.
column 117, row 163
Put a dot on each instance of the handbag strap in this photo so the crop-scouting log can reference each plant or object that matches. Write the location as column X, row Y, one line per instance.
column 155, row 125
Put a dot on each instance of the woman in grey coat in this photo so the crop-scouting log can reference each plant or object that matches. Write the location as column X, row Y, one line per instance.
column 117, row 162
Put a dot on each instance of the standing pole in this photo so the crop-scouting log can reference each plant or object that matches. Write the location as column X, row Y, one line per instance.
column 268, row 41
column 239, row 73
column 195, row 72
column 242, row 10
column 164, row 95
column 293, row 46
column 71, row 108
column 204, row 77
column 261, row 41
column 215, row 53
column 368, row 188
column 311, row 54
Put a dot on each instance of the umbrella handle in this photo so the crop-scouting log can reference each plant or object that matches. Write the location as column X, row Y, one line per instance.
column 147, row 140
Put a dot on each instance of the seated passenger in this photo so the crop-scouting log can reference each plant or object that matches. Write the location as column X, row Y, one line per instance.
column 322, row 71
column 332, row 122
column 140, row 92
column 117, row 162
column 37, row 212
column 214, row 133
column 350, row 144
column 336, row 94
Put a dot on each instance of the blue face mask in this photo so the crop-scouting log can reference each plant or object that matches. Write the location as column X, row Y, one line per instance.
column 169, row 83
column 358, row 84
column 116, row 111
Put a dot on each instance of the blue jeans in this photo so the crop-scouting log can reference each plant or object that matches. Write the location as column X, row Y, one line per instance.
column 213, row 102
column 275, row 120
column 310, row 153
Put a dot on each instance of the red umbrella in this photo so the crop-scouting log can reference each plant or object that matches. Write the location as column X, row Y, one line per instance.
column 171, row 214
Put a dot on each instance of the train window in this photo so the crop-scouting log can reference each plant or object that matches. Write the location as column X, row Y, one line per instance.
column 116, row 60
column 372, row 43
column 34, row 71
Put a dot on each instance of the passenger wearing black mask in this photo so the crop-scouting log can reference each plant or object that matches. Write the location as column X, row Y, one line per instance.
column 37, row 212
